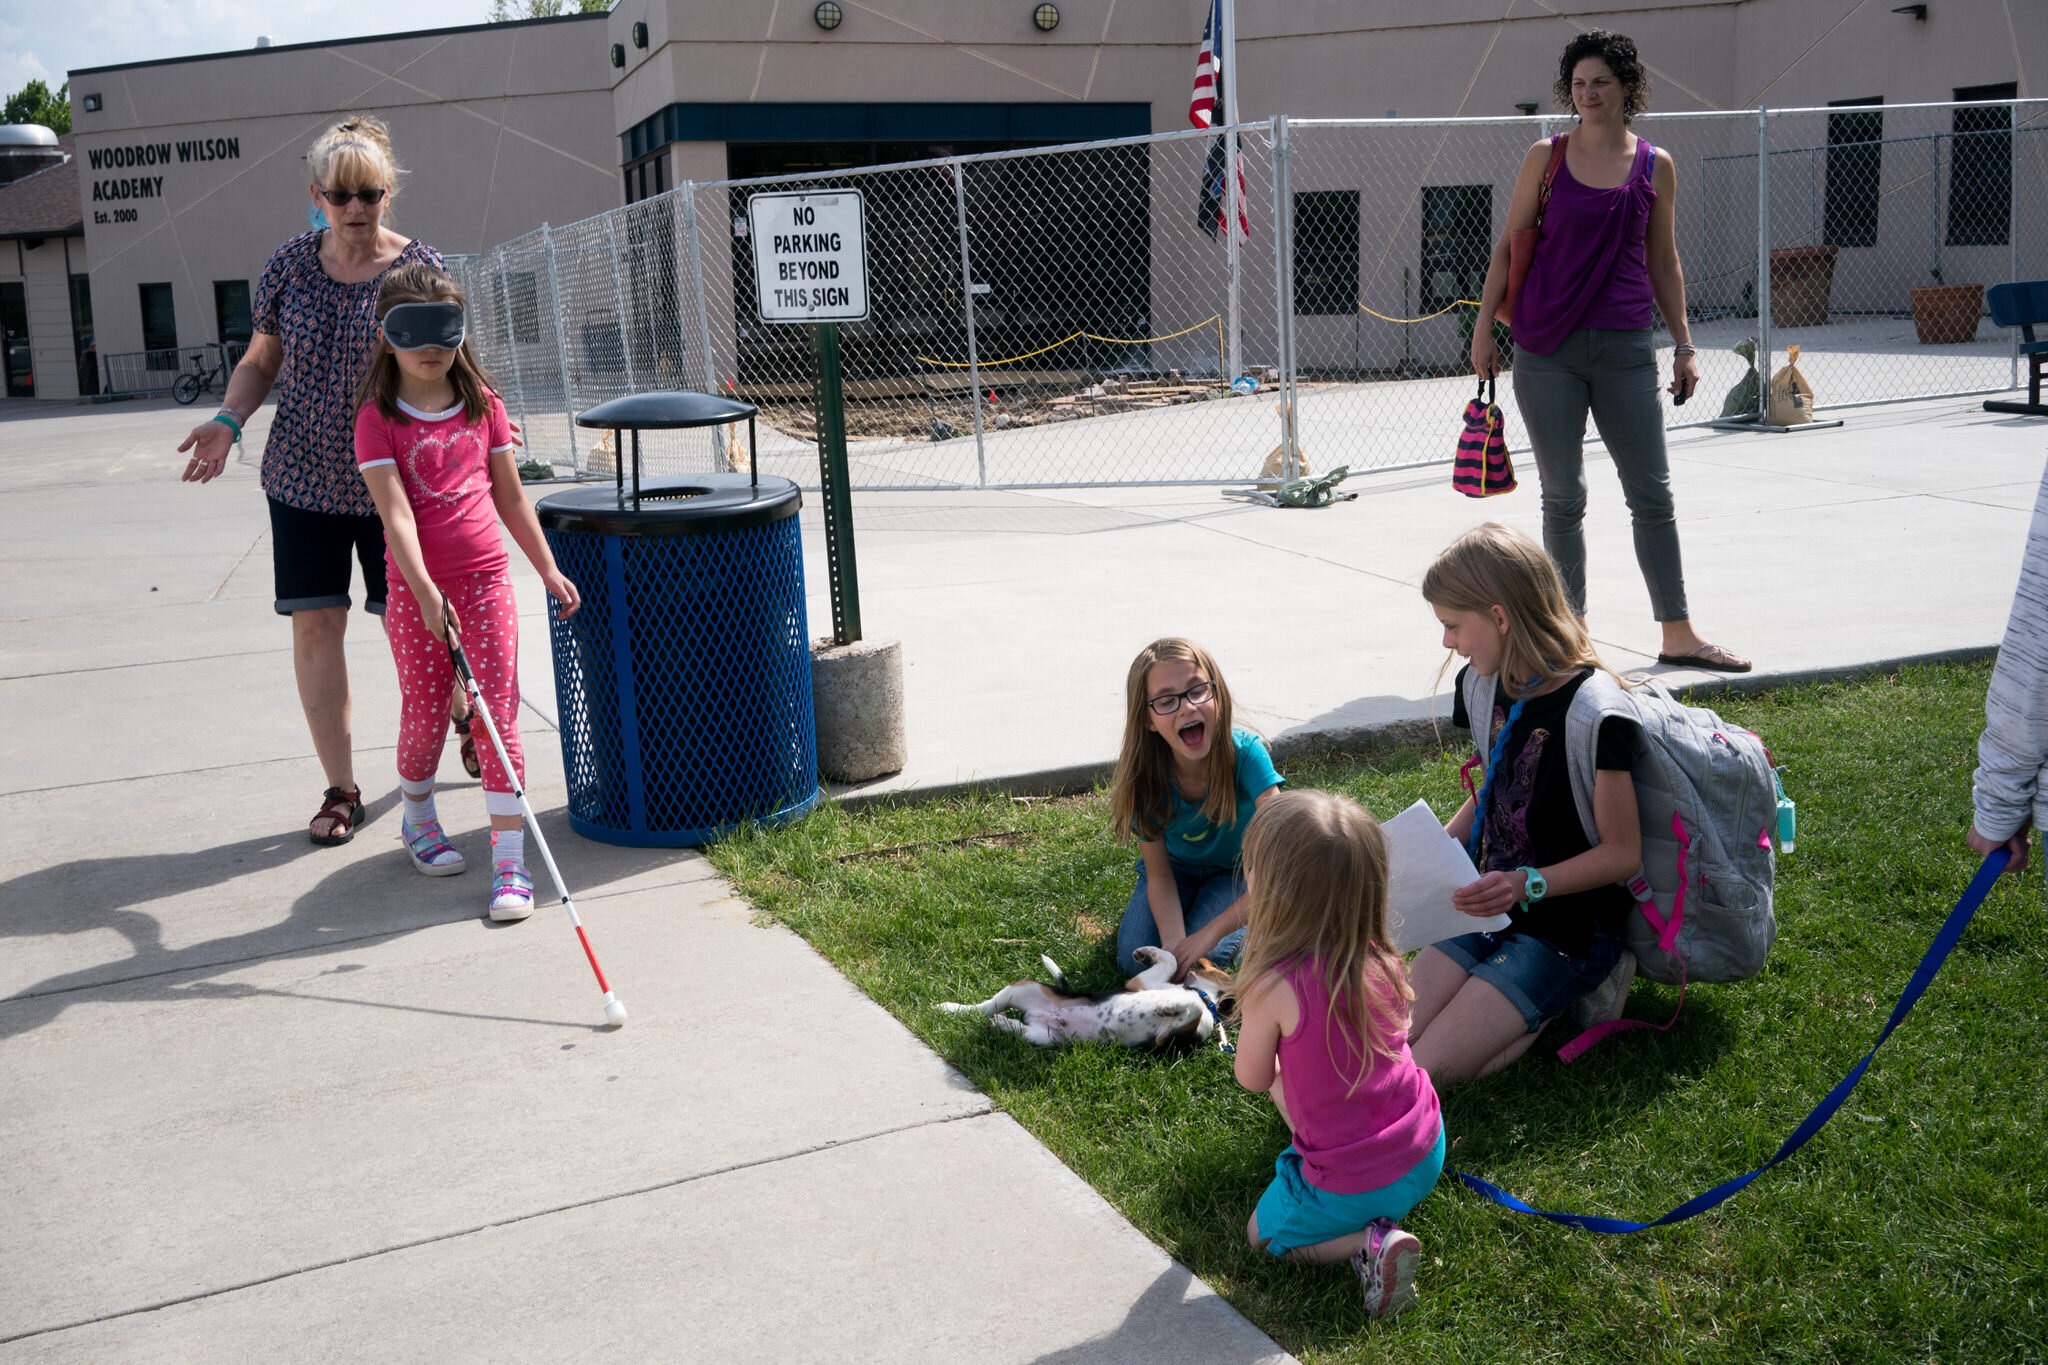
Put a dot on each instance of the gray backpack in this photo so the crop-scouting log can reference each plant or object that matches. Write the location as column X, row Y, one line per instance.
column 1708, row 803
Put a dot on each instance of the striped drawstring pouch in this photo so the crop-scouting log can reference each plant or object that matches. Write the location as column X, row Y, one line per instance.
column 1483, row 469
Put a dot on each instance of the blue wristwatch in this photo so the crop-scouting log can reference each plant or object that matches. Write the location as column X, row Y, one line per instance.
column 1535, row 888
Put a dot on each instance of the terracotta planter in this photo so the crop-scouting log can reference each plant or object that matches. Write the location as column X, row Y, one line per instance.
column 1801, row 277
column 1944, row 314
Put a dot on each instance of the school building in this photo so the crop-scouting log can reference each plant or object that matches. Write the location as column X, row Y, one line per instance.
column 186, row 174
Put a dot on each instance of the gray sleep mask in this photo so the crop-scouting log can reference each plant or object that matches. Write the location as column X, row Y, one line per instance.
column 424, row 326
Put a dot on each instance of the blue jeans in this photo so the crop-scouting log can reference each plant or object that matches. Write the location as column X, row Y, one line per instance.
column 1205, row 893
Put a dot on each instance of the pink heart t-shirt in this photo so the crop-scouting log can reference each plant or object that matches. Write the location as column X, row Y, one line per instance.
column 444, row 461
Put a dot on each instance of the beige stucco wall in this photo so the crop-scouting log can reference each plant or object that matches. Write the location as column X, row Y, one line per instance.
column 46, row 289
column 500, row 127
column 507, row 126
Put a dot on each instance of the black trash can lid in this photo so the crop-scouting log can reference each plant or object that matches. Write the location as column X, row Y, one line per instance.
column 699, row 505
column 665, row 412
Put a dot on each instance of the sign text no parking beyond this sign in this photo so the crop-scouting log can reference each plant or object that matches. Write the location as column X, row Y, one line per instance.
column 810, row 256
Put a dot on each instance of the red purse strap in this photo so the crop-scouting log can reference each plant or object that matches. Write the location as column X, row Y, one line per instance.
column 1550, row 174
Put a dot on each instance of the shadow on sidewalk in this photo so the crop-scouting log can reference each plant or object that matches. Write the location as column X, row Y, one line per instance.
column 373, row 897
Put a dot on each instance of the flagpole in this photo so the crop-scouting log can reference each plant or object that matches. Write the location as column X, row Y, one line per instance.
column 1232, row 195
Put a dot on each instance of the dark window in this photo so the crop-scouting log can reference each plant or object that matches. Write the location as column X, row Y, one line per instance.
column 1457, row 243
column 1326, row 251
column 628, row 173
column 81, row 336
column 1980, row 168
column 1855, row 156
column 523, row 293
column 660, row 174
column 231, row 309
column 15, row 352
column 159, row 327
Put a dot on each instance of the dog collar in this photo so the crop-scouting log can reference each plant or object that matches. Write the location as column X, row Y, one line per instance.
column 1222, row 1034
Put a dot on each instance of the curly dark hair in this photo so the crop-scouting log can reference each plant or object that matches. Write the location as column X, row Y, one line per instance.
column 1618, row 50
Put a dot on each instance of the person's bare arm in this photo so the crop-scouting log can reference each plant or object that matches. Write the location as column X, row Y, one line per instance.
column 401, row 535
column 1521, row 214
column 250, row 384
column 1667, row 276
column 1617, row 857
column 516, row 511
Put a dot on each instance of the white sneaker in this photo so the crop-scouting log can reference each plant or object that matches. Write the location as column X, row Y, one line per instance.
column 511, row 892
column 1386, row 1267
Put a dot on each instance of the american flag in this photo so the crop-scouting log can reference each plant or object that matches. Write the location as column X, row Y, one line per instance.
column 1208, row 71
column 1204, row 111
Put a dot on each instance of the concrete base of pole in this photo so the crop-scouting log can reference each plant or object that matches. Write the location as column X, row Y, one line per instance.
column 858, row 693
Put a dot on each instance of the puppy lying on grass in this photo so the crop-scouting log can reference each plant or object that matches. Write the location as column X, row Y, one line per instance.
column 1147, row 1012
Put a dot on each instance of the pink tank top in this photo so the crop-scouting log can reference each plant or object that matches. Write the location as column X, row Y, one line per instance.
column 1351, row 1143
column 1589, row 269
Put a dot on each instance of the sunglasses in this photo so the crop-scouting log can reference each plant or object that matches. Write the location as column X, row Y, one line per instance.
column 373, row 195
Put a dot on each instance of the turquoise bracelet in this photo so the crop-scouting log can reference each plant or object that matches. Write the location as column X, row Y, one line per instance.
column 230, row 423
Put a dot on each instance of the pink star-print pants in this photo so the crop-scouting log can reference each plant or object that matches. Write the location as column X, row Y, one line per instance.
column 489, row 614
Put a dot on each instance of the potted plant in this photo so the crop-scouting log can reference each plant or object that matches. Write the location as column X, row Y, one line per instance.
column 1946, row 313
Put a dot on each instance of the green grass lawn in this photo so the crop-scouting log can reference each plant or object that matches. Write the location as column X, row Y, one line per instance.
column 1911, row 1228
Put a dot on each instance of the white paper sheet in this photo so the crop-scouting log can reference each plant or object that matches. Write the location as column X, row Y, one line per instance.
column 1427, row 865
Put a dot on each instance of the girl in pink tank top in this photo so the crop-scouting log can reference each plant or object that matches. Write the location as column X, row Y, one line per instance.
column 1324, row 1031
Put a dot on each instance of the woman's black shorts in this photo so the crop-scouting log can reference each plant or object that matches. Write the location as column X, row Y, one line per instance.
column 310, row 553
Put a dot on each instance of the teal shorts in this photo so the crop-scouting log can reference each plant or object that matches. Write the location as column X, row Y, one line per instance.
column 1293, row 1213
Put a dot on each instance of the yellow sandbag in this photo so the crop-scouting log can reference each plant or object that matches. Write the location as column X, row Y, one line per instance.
column 1791, row 402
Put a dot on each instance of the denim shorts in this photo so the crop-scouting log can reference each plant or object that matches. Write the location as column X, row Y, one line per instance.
column 1293, row 1213
column 1536, row 978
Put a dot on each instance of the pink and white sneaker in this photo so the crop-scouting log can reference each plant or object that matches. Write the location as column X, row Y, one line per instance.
column 511, row 892
column 1386, row 1267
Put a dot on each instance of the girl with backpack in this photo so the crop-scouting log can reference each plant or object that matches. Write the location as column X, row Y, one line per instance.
column 1482, row 998
column 1186, row 784
column 1323, row 1004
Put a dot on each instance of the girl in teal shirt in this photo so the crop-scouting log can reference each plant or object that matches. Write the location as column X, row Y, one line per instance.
column 1186, row 785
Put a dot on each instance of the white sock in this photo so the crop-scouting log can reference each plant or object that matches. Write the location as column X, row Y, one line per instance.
column 419, row 810
column 508, row 845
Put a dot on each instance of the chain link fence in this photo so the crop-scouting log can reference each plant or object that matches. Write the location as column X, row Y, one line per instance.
column 1074, row 316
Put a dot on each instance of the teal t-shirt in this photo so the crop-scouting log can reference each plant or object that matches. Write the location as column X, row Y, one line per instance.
column 1192, row 839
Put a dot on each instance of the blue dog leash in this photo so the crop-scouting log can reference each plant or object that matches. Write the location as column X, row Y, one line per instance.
column 1923, row 976
column 1499, row 747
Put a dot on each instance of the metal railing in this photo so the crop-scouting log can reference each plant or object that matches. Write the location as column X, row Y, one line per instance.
column 157, row 369
column 1063, row 316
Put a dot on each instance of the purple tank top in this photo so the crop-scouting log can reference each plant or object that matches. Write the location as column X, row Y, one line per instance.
column 1589, row 269
column 1366, row 1138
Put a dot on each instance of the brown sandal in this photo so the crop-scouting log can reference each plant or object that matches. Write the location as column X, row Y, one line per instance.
column 341, row 810
column 467, row 735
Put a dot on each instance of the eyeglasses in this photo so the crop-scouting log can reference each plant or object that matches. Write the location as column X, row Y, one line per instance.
column 1194, row 696
column 372, row 196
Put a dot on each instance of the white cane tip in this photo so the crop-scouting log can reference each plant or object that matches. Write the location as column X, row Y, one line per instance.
column 614, row 1012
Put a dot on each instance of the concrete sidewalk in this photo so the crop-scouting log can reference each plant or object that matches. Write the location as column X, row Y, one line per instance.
column 267, row 1099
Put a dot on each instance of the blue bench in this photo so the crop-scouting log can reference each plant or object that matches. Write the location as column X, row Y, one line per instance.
column 2023, row 305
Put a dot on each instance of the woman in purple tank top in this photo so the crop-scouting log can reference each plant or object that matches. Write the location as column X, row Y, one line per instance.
column 1605, row 266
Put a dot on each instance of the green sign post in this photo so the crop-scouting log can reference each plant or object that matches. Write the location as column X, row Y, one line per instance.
column 832, row 479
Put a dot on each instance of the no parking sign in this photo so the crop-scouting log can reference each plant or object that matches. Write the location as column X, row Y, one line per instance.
column 810, row 256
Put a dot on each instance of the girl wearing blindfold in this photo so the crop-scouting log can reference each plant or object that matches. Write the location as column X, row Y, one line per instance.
column 436, row 452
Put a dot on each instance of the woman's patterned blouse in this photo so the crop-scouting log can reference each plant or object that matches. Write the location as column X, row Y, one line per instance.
column 327, row 330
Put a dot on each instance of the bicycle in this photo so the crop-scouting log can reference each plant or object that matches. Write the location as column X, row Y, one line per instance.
column 187, row 387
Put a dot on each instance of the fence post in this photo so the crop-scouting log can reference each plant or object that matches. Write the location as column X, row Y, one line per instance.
column 1283, row 292
column 967, row 303
column 511, row 337
column 1763, row 263
column 697, row 285
column 611, row 238
column 1934, row 207
column 547, row 238
column 2012, row 223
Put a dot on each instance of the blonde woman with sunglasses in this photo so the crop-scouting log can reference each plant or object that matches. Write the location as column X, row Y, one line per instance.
column 315, row 322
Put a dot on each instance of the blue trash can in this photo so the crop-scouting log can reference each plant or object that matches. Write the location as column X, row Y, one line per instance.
column 684, row 683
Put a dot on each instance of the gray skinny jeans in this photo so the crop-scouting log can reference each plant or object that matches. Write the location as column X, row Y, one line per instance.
column 1614, row 375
